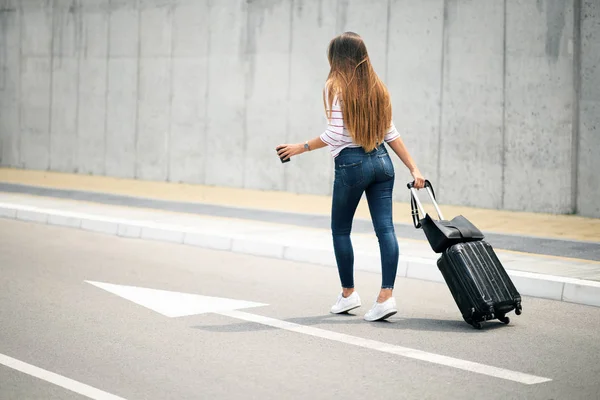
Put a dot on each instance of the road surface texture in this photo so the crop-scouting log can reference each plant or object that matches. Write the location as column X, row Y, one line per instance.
column 53, row 321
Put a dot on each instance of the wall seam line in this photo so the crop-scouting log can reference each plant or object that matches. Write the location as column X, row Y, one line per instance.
column 51, row 84
column 338, row 31
column 575, row 138
column 441, row 107
column 106, row 77
column 337, row 16
column 503, row 181
column 75, row 150
column 168, row 137
column 19, row 136
column 387, row 39
column 206, row 92
column 247, row 70
column 289, row 90
column 137, row 91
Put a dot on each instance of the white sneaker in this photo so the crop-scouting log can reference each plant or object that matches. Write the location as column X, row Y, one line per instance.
column 381, row 311
column 345, row 304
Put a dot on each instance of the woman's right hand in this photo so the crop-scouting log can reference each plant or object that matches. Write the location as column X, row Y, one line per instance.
column 285, row 151
column 419, row 180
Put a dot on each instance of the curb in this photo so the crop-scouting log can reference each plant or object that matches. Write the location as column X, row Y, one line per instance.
column 550, row 287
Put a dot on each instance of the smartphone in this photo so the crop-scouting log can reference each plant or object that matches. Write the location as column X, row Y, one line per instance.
column 282, row 160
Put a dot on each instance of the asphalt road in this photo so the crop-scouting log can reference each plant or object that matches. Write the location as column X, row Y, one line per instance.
column 52, row 319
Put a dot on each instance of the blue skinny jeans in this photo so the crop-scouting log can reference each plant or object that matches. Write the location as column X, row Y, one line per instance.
column 358, row 172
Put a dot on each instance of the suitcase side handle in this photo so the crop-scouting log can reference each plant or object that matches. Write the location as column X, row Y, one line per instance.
column 415, row 202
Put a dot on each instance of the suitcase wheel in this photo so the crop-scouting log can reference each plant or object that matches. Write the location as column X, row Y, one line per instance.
column 518, row 309
column 504, row 319
column 476, row 324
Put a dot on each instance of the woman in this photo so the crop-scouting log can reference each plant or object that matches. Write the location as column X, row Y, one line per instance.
column 359, row 111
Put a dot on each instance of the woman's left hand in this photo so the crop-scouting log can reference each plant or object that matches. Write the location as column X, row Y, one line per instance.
column 419, row 180
column 286, row 151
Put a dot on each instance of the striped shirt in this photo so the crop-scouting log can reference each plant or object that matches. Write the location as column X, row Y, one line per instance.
column 337, row 137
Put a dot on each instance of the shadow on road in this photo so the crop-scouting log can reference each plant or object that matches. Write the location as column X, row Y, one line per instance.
column 325, row 321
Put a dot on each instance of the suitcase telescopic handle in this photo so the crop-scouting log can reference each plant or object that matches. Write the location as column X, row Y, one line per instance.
column 415, row 200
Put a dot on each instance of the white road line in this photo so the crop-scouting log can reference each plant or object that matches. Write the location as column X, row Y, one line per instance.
column 174, row 304
column 391, row 349
column 56, row 379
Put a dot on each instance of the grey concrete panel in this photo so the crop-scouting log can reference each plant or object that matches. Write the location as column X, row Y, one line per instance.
column 92, row 88
column 121, row 117
column 267, row 48
column 9, row 56
column 190, row 28
column 312, row 29
column 153, row 118
column 189, row 83
column 369, row 20
column 67, row 29
column 588, row 193
column 10, row 67
column 121, row 99
column 63, row 129
column 154, row 90
column 590, row 51
column 588, row 196
column 226, row 95
column 414, row 82
column 155, row 28
column 124, row 29
column 539, row 106
column 67, row 43
column 95, row 17
column 187, row 149
column 35, row 112
column 36, row 28
column 472, row 115
column 91, row 116
column 9, row 139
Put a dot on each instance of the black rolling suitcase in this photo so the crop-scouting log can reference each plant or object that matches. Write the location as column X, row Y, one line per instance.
column 476, row 278
column 479, row 283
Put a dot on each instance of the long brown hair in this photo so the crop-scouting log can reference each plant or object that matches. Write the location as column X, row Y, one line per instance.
column 366, row 106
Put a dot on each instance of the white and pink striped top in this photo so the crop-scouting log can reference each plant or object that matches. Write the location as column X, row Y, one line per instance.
column 337, row 136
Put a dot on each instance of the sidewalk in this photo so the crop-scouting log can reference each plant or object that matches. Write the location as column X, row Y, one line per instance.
column 505, row 222
column 572, row 280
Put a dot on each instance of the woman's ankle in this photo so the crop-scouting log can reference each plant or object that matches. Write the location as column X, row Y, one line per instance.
column 347, row 291
column 384, row 295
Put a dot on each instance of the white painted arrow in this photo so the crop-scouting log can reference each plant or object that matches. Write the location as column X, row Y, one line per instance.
column 175, row 304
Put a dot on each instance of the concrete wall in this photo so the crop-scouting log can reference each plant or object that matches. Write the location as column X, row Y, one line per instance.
column 498, row 101
column 588, row 176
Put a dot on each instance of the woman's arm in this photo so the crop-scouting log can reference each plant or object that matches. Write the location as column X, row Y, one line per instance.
column 286, row 151
column 402, row 152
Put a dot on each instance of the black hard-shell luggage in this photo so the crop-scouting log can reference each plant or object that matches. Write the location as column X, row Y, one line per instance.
column 479, row 283
column 476, row 278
